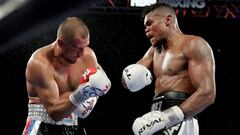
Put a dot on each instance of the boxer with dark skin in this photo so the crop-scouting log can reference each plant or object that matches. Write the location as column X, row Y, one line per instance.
column 182, row 64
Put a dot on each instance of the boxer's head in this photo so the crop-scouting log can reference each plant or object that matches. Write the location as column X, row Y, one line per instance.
column 73, row 37
column 159, row 20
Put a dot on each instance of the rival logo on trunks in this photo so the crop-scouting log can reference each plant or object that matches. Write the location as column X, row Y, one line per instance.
column 149, row 125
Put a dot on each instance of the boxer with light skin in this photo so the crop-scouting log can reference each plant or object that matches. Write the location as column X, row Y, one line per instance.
column 64, row 81
column 184, row 70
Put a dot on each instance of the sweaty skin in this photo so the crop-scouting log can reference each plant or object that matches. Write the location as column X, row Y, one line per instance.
column 53, row 72
column 180, row 62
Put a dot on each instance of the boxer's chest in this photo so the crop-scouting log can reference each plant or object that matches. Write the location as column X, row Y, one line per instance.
column 169, row 63
column 68, row 80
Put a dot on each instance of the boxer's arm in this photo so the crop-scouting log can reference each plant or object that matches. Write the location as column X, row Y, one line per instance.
column 136, row 76
column 40, row 78
column 97, row 81
column 155, row 121
column 147, row 59
column 201, row 70
column 89, row 59
column 86, row 107
column 93, row 83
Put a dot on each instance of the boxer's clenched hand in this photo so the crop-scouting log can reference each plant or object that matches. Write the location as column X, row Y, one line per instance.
column 136, row 77
column 154, row 121
column 86, row 107
column 92, row 83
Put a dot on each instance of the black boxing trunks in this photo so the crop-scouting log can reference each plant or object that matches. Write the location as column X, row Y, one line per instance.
column 39, row 123
column 168, row 99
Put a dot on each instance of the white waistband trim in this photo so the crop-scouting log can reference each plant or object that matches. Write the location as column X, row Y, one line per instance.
column 38, row 112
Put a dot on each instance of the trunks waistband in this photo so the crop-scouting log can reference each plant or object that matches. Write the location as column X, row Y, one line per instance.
column 167, row 99
column 38, row 112
column 172, row 95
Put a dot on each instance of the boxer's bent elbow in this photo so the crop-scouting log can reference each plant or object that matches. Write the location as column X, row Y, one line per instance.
column 56, row 115
column 210, row 96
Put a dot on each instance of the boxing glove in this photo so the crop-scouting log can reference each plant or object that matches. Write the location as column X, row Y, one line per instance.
column 87, row 73
column 155, row 121
column 92, row 83
column 136, row 77
column 86, row 107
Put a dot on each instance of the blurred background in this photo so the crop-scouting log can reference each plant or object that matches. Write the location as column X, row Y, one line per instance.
column 118, row 39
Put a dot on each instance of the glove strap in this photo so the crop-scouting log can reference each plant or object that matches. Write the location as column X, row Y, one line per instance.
column 175, row 115
column 78, row 96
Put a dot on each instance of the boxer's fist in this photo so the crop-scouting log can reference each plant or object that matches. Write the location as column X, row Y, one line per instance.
column 155, row 121
column 86, row 107
column 100, row 83
column 136, row 77
column 93, row 83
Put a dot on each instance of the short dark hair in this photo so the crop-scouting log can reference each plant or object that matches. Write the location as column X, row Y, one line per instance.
column 70, row 26
column 157, row 5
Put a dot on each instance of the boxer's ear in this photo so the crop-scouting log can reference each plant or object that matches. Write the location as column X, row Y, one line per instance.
column 169, row 20
column 60, row 42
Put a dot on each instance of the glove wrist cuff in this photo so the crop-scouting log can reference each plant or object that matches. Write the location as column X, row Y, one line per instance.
column 175, row 116
column 78, row 95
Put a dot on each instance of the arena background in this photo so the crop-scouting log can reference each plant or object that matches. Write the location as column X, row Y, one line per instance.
column 118, row 39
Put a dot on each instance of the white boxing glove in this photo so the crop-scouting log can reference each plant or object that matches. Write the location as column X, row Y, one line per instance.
column 86, row 107
column 100, row 83
column 93, row 83
column 155, row 121
column 136, row 77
